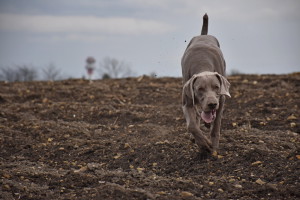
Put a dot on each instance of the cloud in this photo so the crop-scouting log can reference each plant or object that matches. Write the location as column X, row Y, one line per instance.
column 81, row 37
column 152, row 3
column 81, row 24
column 243, row 11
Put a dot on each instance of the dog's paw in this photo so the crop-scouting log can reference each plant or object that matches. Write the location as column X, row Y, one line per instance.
column 203, row 155
column 205, row 152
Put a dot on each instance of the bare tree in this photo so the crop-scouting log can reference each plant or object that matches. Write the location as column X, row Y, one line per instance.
column 235, row 72
column 26, row 73
column 113, row 68
column 18, row 73
column 51, row 72
column 8, row 74
column 153, row 75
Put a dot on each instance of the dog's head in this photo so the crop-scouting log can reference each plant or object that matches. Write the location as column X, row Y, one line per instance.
column 204, row 89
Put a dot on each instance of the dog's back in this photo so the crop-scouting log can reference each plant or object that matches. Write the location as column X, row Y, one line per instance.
column 203, row 53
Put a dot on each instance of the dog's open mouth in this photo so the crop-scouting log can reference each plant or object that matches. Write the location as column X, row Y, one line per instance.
column 209, row 116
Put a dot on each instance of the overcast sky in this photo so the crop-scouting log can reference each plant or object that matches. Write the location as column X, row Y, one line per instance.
column 150, row 35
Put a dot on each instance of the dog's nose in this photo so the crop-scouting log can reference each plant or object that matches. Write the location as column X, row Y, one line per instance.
column 212, row 105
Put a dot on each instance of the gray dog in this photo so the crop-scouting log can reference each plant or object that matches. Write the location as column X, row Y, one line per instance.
column 205, row 87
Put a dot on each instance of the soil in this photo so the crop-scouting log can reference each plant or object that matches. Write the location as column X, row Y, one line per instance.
column 127, row 139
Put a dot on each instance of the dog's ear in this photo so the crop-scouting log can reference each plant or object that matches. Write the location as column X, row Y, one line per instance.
column 224, row 85
column 188, row 96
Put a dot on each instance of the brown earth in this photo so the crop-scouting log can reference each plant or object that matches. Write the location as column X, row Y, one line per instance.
column 126, row 139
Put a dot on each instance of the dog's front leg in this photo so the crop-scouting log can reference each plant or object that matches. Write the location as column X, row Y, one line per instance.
column 216, row 126
column 193, row 127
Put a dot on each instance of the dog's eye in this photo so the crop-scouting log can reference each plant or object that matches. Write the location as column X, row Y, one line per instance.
column 201, row 89
column 217, row 87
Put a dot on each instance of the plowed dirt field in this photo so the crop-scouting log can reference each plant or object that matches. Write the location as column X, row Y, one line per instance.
column 126, row 139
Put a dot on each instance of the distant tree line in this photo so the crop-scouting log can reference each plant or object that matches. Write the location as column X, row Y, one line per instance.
column 108, row 68
column 28, row 73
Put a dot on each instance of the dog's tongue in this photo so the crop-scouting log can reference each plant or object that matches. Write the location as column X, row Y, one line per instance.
column 208, row 117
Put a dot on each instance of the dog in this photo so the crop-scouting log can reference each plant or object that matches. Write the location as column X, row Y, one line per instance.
column 204, row 88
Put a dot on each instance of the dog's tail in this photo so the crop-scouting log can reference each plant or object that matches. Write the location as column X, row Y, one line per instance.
column 205, row 25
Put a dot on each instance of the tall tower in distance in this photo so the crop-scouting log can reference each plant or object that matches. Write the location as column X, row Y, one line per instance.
column 90, row 67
